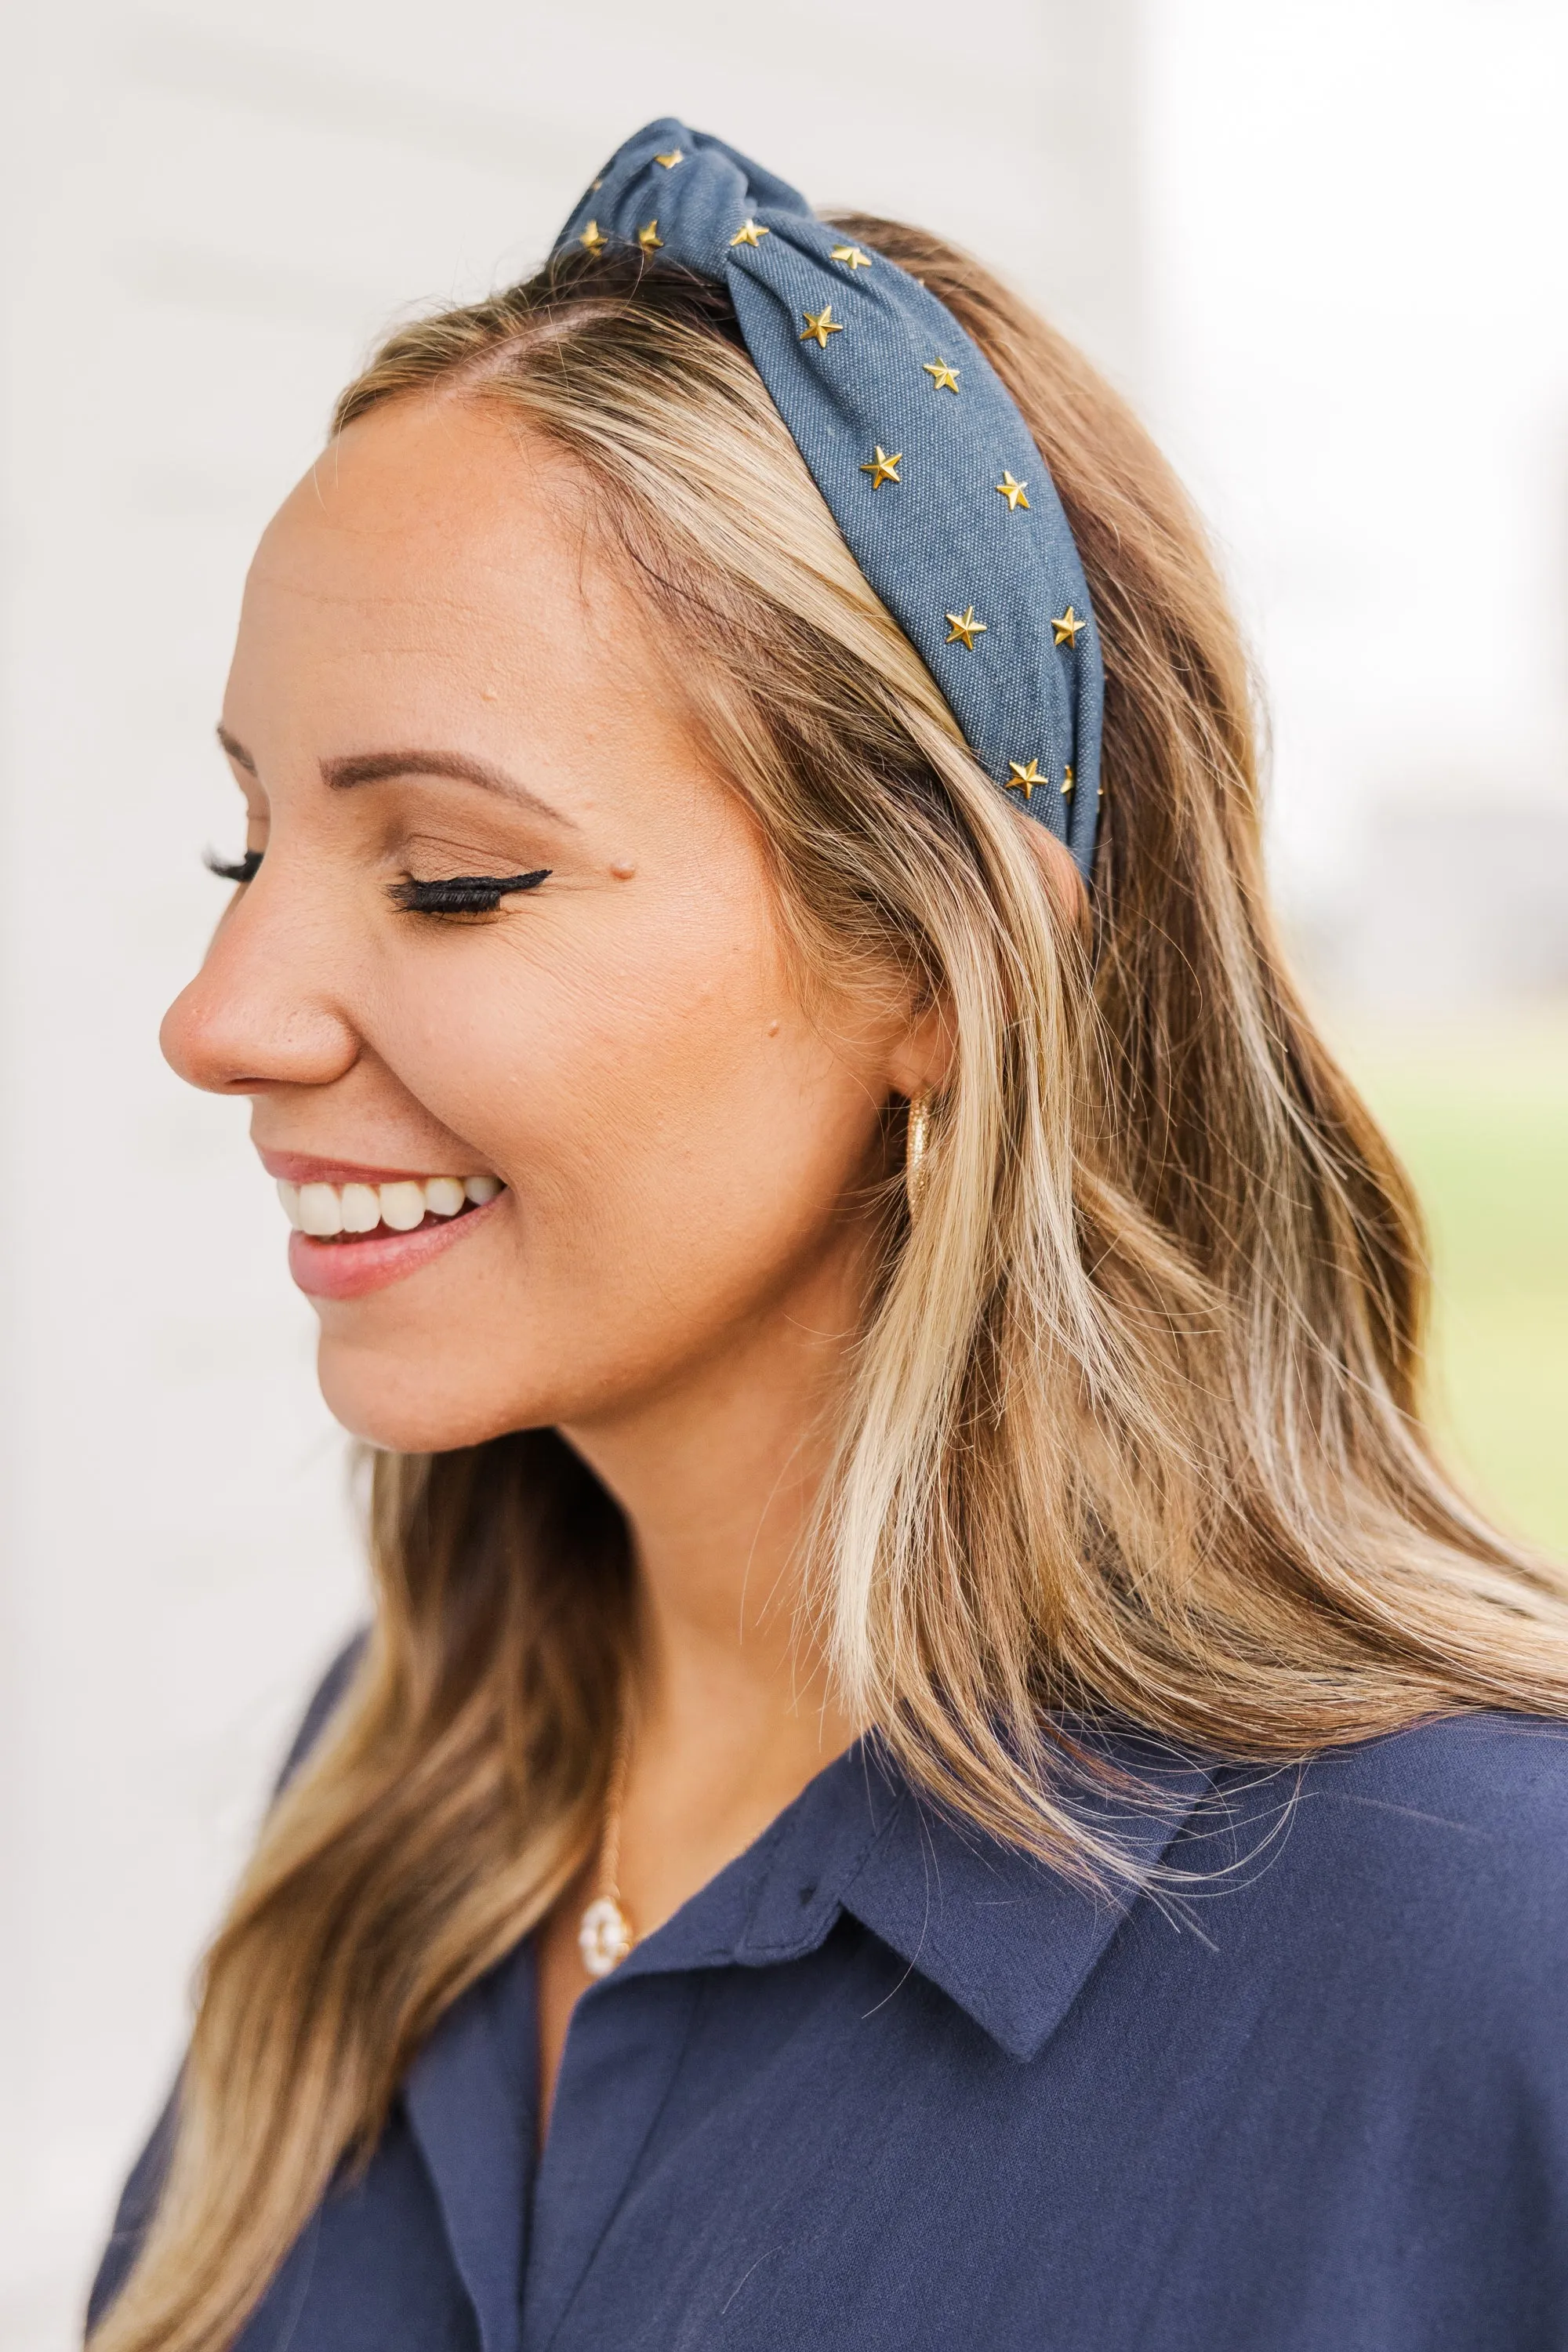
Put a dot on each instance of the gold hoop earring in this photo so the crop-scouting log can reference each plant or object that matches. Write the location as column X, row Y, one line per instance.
column 917, row 1147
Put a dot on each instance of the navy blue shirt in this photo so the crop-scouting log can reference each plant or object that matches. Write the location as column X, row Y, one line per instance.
column 881, row 2086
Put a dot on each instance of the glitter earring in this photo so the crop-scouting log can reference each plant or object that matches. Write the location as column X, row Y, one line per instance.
column 917, row 1147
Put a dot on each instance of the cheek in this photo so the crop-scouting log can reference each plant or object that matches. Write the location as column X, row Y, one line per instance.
column 639, row 1112
column 678, row 1139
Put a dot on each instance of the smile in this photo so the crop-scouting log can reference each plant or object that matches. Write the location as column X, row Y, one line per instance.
column 352, row 1212
column 363, row 1232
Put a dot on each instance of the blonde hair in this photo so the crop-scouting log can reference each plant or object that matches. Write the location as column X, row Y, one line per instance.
column 1134, row 1430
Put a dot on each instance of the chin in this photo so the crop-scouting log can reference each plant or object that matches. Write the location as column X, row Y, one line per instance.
column 427, row 1407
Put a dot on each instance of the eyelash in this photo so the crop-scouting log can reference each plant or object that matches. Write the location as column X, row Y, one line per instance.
column 456, row 894
column 243, row 870
column 463, row 894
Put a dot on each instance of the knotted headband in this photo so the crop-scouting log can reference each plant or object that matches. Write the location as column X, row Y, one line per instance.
column 926, row 464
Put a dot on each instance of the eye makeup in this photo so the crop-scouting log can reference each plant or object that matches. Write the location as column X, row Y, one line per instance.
column 241, row 869
column 463, row 894
column 453, row 894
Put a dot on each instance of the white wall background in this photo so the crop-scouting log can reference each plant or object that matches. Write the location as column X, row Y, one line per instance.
column 1321, row 242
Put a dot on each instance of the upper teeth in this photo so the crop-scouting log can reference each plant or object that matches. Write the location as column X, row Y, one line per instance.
column 323, row 1210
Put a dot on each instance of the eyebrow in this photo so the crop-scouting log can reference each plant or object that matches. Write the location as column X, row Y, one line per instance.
column 343, row 774
column 236, row 752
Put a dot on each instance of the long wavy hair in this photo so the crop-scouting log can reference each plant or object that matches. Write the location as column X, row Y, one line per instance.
column 1133, row 1428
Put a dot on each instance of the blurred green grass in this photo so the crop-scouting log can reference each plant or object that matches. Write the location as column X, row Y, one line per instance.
column 1480, row 1119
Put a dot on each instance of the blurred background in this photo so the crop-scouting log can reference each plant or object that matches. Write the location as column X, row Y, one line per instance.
column 1321, row 247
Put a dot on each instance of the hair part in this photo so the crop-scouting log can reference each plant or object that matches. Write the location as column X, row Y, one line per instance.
column 1133, row 1433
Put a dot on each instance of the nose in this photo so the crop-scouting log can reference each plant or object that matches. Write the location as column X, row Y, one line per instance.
column 266, row 1010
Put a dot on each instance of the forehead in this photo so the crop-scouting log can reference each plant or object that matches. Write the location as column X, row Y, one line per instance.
column 431, row 534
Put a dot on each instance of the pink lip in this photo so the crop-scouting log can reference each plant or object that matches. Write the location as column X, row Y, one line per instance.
column 348, row 1269
column 304, row 1168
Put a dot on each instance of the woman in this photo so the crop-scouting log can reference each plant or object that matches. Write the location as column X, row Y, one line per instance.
column 938, row 1763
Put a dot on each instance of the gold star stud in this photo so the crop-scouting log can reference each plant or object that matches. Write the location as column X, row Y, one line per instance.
column 1011, row 491
column 883, row 468
column 649, row 238
column 1025, row 779
column 671, row 160
column 597, row 186
column 852, row 257
column 963, row 628
column 943, row 378
column 1068, row 779
column 593, row 238
column 821, row 327
column 1067, row 626
column 750, row 233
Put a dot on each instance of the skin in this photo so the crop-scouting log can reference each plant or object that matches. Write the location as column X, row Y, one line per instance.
column 678, row 1261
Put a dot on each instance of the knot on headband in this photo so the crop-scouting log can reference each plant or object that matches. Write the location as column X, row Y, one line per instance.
column 920, row 451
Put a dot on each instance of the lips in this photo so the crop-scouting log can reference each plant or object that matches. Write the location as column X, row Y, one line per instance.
column 357, row 1229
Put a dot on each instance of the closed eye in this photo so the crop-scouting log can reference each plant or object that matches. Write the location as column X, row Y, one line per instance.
column 463, row 894
column 243, row 870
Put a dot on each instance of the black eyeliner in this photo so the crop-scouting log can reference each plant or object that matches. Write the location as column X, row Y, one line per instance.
column 463, row 894
column 242, row 869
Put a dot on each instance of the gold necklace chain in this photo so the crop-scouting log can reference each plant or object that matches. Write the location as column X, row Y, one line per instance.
column 605, row 1934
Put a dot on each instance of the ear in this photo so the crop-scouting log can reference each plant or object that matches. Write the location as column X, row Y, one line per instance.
column 1065, row 885
column 922, row 1056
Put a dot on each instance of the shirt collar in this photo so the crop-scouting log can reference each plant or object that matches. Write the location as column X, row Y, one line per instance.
column 1005, row 1937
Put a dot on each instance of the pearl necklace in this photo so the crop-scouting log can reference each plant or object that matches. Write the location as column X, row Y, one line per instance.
column 605, row 1934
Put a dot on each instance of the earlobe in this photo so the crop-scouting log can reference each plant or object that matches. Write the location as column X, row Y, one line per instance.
column 922, row 1061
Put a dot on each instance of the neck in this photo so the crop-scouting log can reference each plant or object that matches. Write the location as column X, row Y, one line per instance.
column 719, row 1476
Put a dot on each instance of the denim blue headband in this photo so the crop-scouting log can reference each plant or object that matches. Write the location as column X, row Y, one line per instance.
column 929, row 469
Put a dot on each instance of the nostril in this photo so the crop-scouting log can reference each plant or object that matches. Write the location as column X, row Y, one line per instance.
column 250, row 1021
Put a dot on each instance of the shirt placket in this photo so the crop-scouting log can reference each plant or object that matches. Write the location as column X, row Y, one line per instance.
column 624, row 2051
